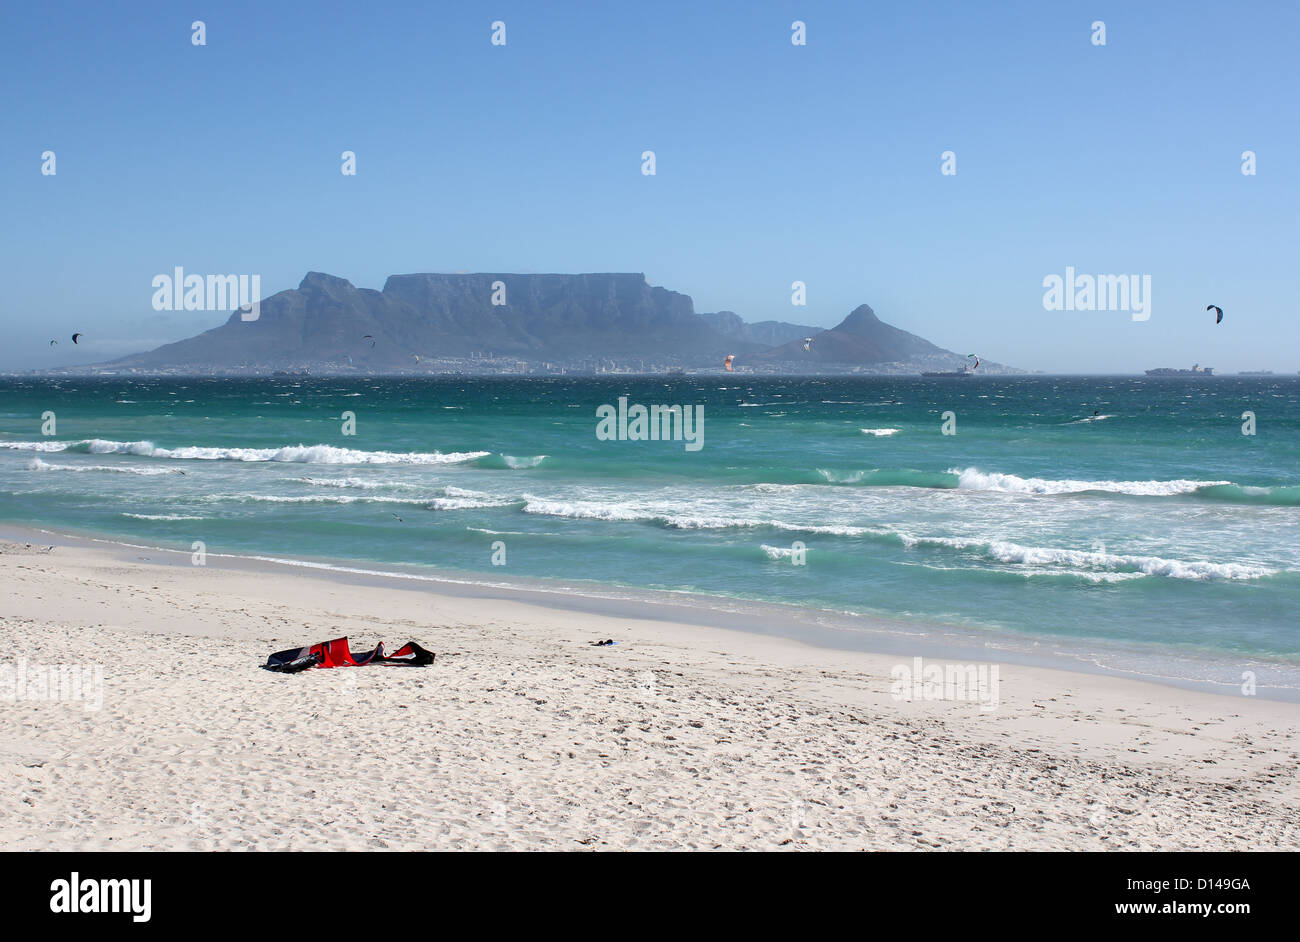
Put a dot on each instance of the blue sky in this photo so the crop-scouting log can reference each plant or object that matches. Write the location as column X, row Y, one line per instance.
column 775, row 162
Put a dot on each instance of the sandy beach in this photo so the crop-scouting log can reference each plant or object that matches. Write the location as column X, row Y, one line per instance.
column 523, row 735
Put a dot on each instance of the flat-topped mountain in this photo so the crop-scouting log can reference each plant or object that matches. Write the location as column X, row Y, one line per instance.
column 327, row 320
column 429, row 322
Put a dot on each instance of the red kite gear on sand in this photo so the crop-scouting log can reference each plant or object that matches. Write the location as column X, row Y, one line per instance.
column 337, row 654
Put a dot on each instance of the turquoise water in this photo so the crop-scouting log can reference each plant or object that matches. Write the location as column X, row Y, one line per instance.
column 1100, row 511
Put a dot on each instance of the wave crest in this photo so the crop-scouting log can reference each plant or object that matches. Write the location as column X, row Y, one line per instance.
column 973, row 479
column 305, row 454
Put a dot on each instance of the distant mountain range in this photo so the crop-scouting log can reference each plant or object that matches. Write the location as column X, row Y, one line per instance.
column 436, row 322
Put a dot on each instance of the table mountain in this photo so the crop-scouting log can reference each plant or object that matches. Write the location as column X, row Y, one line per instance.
column 544, row 317
column 436, row 322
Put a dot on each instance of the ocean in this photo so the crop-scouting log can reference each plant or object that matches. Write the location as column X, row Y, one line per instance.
column 1127, row 523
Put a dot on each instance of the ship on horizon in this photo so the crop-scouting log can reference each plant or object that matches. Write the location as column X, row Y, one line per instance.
column 1196, row 370
column 967, row 369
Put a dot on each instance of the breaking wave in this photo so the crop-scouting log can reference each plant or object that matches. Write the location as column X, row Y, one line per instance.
column 447, row 498
column 353, row 482
column 975, row 480
column 1093, row 560
column 36, row 464
column 621, row 513
column 1035, row 560
column 163, row 516
column 306, row 454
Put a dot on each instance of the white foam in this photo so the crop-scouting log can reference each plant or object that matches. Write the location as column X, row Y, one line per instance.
column 163, row 516
column 781, row 552
column 973, row 479
column 313, row 499
column 880, row 432
column 1094, row 560
column 584, row 510
column 36, row 464
column 465, row 492
column 307, row 454
column 365, row 484
column 1202, row 571
column 317, row 454
column 667, row 515
column 36, row 446
column 827, row 529
column 464, row 503
column 629, row 512
column 98, row 446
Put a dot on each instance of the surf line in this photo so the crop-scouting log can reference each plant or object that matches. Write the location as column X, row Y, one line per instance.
column 656, row 423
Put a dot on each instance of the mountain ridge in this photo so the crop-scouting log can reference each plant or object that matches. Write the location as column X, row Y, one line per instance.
column 429, row 321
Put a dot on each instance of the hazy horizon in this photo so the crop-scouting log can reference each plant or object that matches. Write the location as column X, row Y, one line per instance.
column 774, row 163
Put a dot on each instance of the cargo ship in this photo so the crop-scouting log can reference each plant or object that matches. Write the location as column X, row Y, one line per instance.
column 1196, row 370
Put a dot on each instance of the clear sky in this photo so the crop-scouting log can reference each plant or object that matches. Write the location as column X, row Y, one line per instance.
column 775, row 162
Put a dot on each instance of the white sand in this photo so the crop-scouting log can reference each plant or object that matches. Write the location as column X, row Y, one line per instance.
column 523, row 736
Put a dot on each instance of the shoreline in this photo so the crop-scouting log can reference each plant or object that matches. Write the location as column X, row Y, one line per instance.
column 820, row 628
column 523, row 735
